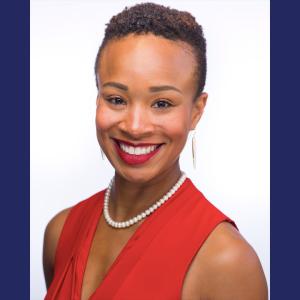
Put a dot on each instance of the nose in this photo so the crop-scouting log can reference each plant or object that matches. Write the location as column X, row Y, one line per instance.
column 137, row 123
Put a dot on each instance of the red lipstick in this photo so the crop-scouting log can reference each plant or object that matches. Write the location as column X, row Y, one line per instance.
column 133, row 159
column 135, row 145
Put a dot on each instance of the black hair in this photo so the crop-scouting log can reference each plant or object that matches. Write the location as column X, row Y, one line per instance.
column 162, row 21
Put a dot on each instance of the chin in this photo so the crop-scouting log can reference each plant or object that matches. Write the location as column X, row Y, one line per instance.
column 136, row 176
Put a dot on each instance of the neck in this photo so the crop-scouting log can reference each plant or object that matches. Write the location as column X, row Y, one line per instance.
column 130, row 198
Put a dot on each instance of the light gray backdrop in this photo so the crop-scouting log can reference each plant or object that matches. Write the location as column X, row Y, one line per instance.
column 232, row 137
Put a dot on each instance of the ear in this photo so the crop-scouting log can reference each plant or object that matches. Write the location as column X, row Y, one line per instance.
column 198, row 109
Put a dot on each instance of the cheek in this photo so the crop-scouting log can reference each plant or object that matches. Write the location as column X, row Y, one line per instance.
column 104, row 119
column 176, row 127
column 178, row 133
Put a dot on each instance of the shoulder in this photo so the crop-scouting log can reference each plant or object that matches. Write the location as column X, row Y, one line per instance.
column 226, row 267
column 55, row 226
column 51, row 237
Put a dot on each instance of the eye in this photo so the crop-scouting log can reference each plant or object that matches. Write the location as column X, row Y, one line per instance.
column 162, row 104
column 115, row 100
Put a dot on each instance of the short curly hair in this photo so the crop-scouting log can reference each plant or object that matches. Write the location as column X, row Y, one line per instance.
column 162, row 21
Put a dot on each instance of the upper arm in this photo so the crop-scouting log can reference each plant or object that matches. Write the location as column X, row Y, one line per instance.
column 239, row 274
column 51, row 237
column 226, row 268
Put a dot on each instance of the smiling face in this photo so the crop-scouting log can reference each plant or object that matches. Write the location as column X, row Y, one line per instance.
column 146, row 105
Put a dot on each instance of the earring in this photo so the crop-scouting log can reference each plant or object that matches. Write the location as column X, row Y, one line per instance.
column 194, row 149
column 102, row 154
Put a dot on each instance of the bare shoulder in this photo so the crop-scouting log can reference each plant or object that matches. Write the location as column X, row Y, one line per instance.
column 226, row 267
column 51, row 237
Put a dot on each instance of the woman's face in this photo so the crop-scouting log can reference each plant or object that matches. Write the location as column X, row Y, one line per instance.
column 145, row 106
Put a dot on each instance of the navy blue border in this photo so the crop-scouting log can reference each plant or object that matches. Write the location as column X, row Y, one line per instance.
column 285, row 150
column 14, row 125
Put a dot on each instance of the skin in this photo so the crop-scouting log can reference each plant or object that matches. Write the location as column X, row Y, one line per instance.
column 146, row 94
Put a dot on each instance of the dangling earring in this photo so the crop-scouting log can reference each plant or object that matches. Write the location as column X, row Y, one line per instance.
column 102, row 154
column 194, row 149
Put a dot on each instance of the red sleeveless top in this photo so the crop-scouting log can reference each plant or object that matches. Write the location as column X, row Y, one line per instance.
column 153, row 263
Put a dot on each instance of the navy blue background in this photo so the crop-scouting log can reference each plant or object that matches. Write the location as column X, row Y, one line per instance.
column 285, row 150
column 14, row 134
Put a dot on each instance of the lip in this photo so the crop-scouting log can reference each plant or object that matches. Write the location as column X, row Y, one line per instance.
column 132, row 159
column 136, row 145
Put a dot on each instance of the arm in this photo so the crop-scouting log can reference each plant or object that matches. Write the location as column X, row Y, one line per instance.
column 225, row 268
column 51, row 237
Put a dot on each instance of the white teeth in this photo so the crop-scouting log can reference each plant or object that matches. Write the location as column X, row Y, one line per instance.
column 127, row 149
column 131, row 150
column 137, row 150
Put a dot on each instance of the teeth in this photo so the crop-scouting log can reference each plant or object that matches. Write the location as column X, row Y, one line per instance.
column 131, row 150
column 137, row 150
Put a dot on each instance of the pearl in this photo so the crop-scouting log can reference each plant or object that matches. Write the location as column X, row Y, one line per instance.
column 142, row 215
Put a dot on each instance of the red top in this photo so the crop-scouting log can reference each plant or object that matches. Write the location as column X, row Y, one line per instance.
column 153, row 263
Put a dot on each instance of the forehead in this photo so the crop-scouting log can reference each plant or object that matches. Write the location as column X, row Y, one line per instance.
column 147, row 57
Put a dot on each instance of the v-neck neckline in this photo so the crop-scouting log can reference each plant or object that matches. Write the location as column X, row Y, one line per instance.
column 87, row 244
column 90, row 236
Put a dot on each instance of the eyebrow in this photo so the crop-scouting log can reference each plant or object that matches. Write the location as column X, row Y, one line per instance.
column 160, row 88
column 152, row 89
column 117, row 85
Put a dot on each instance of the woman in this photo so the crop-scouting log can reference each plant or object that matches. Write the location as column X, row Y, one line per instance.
column 151, row 234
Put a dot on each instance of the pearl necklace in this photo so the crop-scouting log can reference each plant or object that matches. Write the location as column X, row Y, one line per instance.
column 145, row 213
